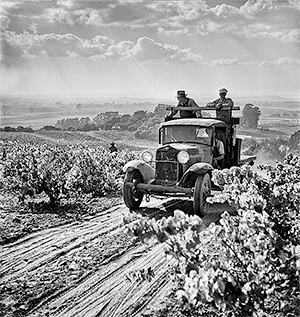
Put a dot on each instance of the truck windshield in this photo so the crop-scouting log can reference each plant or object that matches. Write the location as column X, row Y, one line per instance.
column 186, row 134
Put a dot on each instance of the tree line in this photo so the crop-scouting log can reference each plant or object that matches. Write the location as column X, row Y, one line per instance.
column 142, row 123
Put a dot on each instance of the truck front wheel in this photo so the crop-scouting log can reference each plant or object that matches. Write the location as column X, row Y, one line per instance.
column 202, row 190
column 132, row 196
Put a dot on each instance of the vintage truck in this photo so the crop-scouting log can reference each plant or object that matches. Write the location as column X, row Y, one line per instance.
column 183, row 162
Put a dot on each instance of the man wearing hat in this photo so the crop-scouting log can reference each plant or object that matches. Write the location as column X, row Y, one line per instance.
column 184, row 101
column 112, row 147
column 222, row 103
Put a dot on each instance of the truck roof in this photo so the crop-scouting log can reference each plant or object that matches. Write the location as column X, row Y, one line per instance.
column 204, row 122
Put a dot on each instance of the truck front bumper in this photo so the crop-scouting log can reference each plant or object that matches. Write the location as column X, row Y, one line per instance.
column 162, row 190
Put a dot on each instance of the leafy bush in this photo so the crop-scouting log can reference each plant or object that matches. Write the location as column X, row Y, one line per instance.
column 248, row 264
column 61, row 172
column 251, row 116
column 98, row 172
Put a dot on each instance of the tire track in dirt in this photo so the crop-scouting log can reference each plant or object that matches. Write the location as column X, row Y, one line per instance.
column 45, row 246
column 107, row 292
column 108, row 289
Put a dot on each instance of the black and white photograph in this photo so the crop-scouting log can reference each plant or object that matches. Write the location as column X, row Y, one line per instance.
column 149, row 158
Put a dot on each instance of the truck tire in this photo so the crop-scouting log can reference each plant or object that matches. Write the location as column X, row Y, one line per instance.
column 132, row 198
column 202, row 190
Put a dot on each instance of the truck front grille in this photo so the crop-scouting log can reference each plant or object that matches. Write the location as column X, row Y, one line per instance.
column 166, row 173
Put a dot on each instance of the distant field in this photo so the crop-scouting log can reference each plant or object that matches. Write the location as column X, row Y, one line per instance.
column 123, row 140
column 37, row 112
column 38, row 120
column 285, row 126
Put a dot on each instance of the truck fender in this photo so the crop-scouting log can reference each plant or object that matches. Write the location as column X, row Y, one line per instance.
column 195, row 169
column 146, row 170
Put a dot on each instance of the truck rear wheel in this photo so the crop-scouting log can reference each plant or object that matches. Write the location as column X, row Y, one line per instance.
column 202, row 190
column 132, row 197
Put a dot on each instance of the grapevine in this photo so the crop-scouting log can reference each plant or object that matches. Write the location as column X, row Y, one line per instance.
column 61, row 172
column 248, row 264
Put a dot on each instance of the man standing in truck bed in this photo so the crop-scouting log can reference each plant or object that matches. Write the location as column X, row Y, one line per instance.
column 184, row 101
column 221, row 104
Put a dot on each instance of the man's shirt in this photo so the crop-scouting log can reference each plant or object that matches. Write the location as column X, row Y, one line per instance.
column 219, row 147
column 188, row 103
column 227, row 102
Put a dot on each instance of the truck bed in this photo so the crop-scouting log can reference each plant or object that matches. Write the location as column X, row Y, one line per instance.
column 246, row 158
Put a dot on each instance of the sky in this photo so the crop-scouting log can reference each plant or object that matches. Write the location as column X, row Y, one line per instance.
column 150, row 48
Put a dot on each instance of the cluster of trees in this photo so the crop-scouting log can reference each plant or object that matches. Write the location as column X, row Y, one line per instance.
column 18, row 129
column 144, row 124
column 250, row 117
column 76, row 124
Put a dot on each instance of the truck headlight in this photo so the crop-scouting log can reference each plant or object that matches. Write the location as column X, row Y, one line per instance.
column 183, row 157
column 147, row 156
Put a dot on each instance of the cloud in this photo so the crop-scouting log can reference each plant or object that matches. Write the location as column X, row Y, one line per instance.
column 32, row 44
column 10, row 55
column 146, row 49
column 281, row 61
column 224, row 62
column 257, row 19
column 58, row 15
column 253, row 19
column 4, row 22
column 68, row 45
column 5, row 6
column 288, row 36
column 235, row 61
column 263, row 31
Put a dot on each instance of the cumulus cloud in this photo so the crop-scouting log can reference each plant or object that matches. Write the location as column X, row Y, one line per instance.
column 58, row 15
column 10, row 55
column 253, row 19
column 146, row 49
column 223, row 10
column 8, row 5
column 235, row 61
column 32, row 44
column 281, row 61
column 224, row 62
column 89, row 17
column 262, row 31
column 4, row 22
column 66, row 45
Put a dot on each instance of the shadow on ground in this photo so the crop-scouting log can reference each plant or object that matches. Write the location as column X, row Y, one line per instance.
column 167, row 209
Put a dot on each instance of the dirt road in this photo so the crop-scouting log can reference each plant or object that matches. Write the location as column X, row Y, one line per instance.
column 89, row 268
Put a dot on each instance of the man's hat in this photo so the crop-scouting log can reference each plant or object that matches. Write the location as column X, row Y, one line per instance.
column 112, row 143
column 181, row 93
column 223, row 91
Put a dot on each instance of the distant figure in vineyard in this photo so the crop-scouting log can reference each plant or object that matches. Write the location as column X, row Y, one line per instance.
column 112, row 148
column 184, row 101
column 222, row 103
column 219, row 152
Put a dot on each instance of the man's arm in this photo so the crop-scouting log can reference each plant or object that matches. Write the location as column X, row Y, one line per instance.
column 192, row 103
column 171, row 114
column 213, row 103
column 227, row 103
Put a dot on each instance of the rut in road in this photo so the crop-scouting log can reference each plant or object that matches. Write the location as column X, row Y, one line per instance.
column 108, row 290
